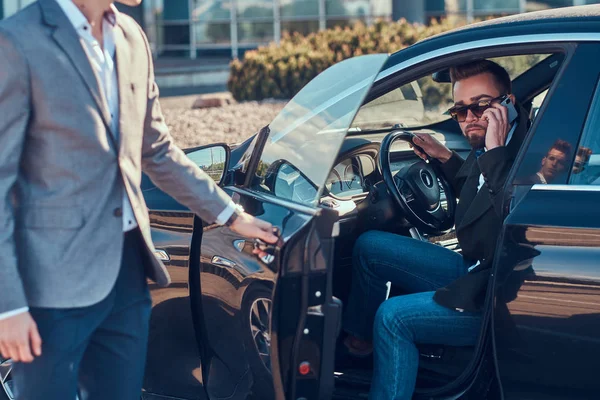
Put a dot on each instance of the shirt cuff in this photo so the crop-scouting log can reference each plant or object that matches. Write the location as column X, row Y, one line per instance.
column 226, row 213
column 9, row 314
column 472, row 267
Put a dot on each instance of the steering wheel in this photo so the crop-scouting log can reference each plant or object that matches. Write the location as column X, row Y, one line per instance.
column 416, row 188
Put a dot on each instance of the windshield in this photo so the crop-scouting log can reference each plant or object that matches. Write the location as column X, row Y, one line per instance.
column 306, row 136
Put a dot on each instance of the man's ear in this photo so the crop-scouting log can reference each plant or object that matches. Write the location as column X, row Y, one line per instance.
column 512, row 98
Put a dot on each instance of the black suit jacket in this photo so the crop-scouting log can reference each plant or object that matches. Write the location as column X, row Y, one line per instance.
column 479, row 215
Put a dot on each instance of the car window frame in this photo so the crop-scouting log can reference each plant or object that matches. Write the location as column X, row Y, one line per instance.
column 549, row 105
column 393, row 77
column 588, row 129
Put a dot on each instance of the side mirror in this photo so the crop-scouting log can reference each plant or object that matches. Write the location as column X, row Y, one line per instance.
column 212, row 159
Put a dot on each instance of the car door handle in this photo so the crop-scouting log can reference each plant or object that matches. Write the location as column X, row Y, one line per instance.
column 223, row 262
column 265, row 247
column 240, row 245
column 269, row 249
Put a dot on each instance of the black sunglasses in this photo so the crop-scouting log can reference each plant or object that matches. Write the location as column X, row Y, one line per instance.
column 459, row 113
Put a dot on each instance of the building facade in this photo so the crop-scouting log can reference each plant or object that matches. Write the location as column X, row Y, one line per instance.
column 190, row 29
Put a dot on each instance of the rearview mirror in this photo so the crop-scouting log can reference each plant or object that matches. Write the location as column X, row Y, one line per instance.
column 442, row 76
column 212, row 159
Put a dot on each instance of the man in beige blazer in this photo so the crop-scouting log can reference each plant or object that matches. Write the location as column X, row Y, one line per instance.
column 79, row 122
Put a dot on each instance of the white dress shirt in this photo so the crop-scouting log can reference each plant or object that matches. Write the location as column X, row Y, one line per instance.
column 102, row 60
column 542, row 178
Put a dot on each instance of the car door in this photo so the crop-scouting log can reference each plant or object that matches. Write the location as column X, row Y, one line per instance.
column 547, row 272
column 267, row 326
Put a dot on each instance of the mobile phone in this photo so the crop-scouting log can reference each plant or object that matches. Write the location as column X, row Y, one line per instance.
column 512, row 111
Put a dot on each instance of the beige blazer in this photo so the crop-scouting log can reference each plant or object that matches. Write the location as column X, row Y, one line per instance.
column 62, row 172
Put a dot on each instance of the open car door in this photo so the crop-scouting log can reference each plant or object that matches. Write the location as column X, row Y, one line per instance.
column 268, row 325
column 547, row 275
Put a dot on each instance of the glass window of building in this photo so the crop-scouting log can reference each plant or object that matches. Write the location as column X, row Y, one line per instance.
column 301, row 16
column 211, row 22
column 255, row 21
column 226, row 28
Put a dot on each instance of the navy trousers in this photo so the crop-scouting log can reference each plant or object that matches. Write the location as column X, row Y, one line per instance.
column 100, row 350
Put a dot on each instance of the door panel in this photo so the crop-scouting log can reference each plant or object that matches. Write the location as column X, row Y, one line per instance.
column 306, row 317
column 547, row 275
column 547, row 318
column 237, row 288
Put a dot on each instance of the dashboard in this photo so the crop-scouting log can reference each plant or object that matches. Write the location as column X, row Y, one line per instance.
column 354, row 175
column 355, row 171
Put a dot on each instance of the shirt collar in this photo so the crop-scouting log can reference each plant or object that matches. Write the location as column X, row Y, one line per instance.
column 112, row 15
column 78, row 20
column 542, row 178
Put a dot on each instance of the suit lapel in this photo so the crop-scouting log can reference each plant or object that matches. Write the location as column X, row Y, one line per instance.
column 482, row 201
column 469, row 192
column 480, row 204
column 68, row 40
column 465, row 169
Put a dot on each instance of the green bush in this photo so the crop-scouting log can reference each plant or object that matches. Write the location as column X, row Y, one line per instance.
column 281, row 71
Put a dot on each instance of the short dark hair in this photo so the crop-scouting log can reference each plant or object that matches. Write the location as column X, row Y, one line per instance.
column 473, row 68
column 563, row 146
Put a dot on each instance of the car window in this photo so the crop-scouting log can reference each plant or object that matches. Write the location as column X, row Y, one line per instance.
column 424, row 101
column 562, row 112
column 305, row 137
column 586, row 166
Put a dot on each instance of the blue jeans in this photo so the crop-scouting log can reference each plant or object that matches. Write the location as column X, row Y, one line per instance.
column 417, row 268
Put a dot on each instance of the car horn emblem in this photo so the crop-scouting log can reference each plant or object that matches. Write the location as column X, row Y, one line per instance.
column 427, row 179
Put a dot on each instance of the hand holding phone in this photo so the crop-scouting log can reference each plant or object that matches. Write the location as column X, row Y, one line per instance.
column 499, row 118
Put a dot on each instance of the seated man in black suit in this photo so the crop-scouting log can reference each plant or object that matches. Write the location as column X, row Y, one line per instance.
column 444, row 289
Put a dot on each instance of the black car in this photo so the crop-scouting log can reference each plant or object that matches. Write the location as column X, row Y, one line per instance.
column 335, row 163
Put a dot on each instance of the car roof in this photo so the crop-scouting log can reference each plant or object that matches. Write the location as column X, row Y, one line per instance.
column 580, row 19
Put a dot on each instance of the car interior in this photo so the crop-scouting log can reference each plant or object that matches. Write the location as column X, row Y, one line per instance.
column 355, row 190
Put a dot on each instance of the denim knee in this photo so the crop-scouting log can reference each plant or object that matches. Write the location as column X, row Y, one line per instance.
column 388, row 323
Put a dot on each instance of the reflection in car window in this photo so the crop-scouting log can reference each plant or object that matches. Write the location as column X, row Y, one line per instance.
column 307, row 134
column 586, row 166
column 552, row 165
